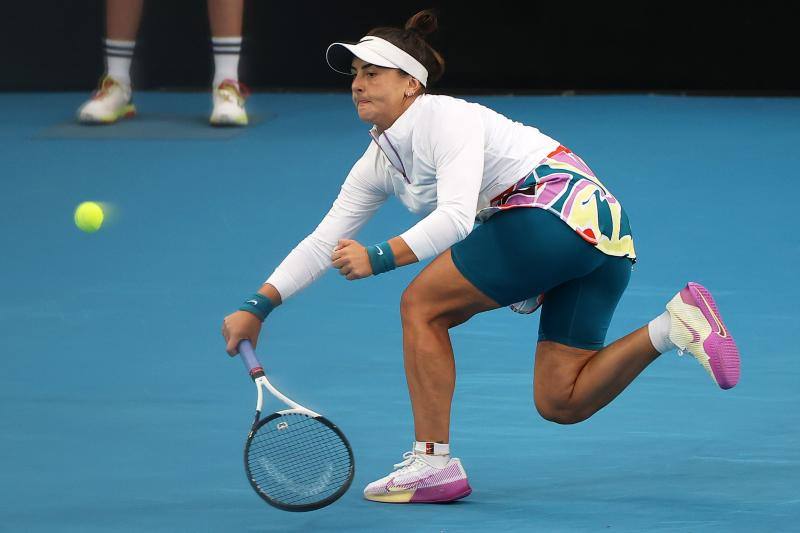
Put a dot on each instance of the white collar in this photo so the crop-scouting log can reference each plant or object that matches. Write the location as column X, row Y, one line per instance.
column 394, row 141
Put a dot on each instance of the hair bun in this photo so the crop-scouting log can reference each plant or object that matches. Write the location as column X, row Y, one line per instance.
column 424, row 22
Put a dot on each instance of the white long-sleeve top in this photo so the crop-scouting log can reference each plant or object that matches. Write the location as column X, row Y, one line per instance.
column 444, row 159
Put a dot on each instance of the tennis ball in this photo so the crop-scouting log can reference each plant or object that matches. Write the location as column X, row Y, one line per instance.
column 89, row 217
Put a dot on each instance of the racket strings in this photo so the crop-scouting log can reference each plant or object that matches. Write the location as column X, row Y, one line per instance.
column 300, row 453
column 301, row 435
column 296, row 482
column 291, row 495
column 301, row 475
column 302, row 446
column 295, row 459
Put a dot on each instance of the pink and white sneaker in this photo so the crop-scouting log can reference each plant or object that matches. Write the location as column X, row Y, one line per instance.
column 416, row 480
column 696, row 326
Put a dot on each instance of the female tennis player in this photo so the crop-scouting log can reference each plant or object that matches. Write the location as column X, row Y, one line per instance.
column 550, row 232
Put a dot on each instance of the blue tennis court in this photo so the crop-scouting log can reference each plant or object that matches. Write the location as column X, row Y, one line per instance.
column 122, row 412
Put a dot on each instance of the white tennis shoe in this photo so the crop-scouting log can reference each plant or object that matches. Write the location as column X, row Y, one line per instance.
column 109, row 103
column 229, row 97
column 416, row 480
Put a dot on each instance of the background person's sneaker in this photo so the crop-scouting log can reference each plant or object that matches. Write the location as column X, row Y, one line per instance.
column 229, row 97
column 109, row 103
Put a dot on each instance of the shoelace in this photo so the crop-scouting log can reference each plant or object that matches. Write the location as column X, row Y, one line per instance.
column 233, row 91
column 408, row 462
column 105, row 85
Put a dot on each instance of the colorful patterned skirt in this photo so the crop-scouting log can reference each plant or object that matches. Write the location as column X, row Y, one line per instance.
column 564, row 185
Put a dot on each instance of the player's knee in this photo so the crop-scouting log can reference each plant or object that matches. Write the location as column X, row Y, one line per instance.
column 409, row 300
column 562, row 416
column 559, row 412
column 415, row 306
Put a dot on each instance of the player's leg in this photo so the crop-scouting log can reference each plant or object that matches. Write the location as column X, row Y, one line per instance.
column 438, row 299
column 112, row 100
column 571, row 384
column 575, row 376
column 499, row 263
column 225, row 18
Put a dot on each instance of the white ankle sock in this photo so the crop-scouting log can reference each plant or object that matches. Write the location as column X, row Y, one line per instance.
column 658, row 328
column 436, row 453
column 226, row 58
column 118, row 59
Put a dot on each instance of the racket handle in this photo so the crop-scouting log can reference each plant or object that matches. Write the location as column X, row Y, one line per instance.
column 250, row 360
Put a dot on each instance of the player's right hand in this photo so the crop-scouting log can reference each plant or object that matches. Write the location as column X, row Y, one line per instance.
column 239, row 326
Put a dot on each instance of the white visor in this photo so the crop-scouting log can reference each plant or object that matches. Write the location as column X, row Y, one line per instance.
column 378, row 52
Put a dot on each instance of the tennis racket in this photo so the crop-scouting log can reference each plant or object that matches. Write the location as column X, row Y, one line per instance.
column 295, row 459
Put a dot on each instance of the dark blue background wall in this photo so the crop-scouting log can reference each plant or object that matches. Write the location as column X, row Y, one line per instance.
column 500, row 46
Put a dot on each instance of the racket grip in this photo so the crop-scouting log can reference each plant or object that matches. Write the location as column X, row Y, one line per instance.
column 250, row 360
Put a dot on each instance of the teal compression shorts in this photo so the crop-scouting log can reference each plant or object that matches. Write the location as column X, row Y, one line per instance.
column 521, row 253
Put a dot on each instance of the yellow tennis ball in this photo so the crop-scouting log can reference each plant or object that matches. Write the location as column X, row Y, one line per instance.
column 89, row 217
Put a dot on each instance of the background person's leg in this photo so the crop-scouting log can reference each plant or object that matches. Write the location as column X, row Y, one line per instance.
column 112, row 100
column 123, row 18
column 225, row 18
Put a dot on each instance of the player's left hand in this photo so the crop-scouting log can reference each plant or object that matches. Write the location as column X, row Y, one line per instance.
column 351, row 259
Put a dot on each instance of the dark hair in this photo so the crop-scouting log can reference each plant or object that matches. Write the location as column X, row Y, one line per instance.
column 411, row 39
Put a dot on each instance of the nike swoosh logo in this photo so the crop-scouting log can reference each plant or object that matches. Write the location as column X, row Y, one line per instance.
column 380, row 252
column 254, row 302
column 391, row 487
column 408, row 486
column 720, row 328
column 695, row 335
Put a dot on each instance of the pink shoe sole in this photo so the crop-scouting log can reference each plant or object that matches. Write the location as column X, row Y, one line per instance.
column 448, row 492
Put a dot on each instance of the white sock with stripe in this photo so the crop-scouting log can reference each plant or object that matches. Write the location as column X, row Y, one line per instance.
column 226, row 58
column 658, row 329
column 435, row 453
column 119, row 55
